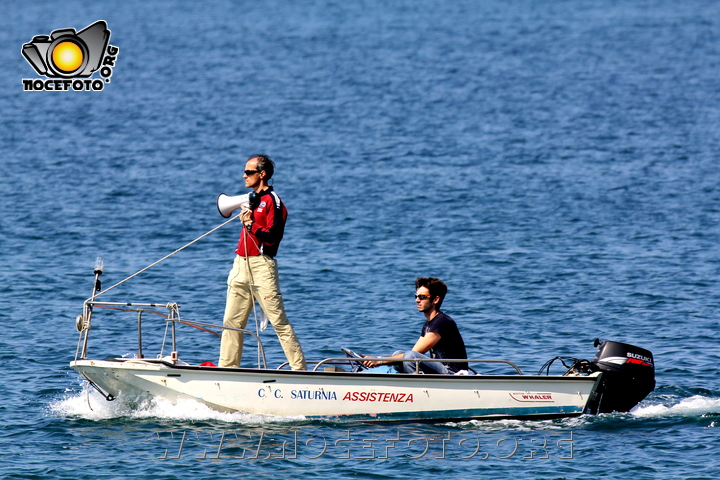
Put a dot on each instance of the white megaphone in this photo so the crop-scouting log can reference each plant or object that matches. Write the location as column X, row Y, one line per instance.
column 227, row 204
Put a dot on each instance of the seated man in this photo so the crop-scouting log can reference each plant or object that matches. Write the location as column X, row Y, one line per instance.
column 439, row 336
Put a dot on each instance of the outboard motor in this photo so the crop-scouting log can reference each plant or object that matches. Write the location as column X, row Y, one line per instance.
column 628, row 376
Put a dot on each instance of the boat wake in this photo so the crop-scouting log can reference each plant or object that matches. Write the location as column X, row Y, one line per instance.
column 89, row 405
column 697, row 405
column 660, row 407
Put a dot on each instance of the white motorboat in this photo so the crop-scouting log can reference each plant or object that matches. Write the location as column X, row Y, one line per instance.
column 618, row 377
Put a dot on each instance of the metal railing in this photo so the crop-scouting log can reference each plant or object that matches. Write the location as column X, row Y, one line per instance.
column 417, row 361
column 171, row 320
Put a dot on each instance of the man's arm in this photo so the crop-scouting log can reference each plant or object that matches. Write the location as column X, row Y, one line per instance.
column 424, row 343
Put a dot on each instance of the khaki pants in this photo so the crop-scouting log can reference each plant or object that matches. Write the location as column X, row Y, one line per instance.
column 256, row 278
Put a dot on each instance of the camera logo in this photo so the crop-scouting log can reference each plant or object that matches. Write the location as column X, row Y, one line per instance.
column 67, row 57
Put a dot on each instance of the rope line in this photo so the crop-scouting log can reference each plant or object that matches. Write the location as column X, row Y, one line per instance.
column 246, row 237
column 167, row 256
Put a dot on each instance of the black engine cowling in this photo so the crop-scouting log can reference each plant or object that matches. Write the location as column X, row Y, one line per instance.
column 628, row 376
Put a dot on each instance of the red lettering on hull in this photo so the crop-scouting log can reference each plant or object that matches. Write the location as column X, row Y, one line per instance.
column 378, row 397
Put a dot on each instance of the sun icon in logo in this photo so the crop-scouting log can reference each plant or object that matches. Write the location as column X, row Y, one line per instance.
column 67, row 56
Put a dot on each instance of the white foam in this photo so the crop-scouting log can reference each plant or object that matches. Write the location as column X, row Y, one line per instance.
column 92, row 406
column 522, row 425
column 691, row 406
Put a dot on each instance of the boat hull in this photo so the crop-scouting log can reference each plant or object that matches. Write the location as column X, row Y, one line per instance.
column 345, row 396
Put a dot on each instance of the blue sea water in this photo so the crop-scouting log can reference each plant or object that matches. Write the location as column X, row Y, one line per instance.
column 554, row 162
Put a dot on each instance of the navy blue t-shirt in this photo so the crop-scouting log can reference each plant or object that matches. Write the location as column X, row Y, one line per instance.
column 450, row 345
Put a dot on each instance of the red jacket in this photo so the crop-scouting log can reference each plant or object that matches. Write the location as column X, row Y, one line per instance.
column 264, row 234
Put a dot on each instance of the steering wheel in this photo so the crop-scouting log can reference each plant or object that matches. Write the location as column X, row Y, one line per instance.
column 356, row 362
